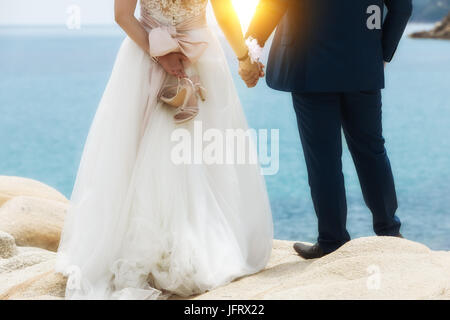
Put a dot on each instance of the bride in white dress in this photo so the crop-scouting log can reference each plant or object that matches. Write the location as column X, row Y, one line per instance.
column 139, row 225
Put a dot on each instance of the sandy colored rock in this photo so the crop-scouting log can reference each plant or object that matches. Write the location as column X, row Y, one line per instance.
column 26, row 268
column 366, row 268
column 43, row 297
column 7, row 245
column 33, row 221
column 11, row 187
column 25, row 257
column 30, row 275
column 44, row 286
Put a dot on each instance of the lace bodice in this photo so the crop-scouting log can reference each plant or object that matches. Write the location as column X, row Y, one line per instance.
column 173, row 11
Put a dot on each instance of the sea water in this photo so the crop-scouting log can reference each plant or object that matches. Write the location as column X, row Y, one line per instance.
column 51, row 80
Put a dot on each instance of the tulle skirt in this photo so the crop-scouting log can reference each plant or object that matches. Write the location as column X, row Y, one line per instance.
column 140, row 225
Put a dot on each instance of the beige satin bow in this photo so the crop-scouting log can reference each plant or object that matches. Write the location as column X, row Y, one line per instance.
column 165, row 39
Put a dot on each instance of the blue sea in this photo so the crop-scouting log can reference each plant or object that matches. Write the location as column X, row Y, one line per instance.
column 51, row 80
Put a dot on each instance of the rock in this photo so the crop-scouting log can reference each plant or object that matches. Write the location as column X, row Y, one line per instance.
column 33, row 221
column 44, row 286
column 11, row 187
column 25, row 257
column 440, row 31
column 7, row 245
column 30, row 274
column 366, row 268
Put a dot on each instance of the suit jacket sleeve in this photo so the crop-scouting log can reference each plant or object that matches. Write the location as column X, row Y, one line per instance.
column 399, row 12
column 267, row 16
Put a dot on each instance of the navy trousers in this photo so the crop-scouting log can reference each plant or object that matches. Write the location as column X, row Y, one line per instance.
column 321, row 117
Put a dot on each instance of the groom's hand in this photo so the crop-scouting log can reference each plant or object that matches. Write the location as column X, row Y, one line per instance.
column 250, row 72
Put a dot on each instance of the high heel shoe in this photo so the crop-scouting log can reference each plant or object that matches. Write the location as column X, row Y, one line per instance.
column 174, row 96
column 189, row 109
column 184, row 97
column 200, row 91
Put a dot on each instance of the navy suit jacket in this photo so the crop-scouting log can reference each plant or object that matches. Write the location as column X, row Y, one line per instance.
column 327, row 46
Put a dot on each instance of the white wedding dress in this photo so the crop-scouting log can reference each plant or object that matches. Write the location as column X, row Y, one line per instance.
column 140, row 226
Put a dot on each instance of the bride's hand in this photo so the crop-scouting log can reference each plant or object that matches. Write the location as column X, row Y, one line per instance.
column 251, row 72
column 173, row 64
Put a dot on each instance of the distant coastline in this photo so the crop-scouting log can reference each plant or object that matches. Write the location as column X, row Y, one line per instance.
column 441, row 30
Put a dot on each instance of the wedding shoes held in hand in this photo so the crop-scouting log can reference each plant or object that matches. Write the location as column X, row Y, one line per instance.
column 184, row 97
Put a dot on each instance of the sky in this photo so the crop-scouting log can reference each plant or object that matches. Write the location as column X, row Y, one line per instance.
column 55, row 12
column 91, row 12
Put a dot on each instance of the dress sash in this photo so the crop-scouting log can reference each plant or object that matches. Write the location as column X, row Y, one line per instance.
column 164, row 39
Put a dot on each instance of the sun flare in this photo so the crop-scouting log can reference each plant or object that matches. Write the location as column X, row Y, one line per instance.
column 245, row 10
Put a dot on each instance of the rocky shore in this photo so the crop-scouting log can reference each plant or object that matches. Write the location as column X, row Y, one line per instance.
column 440, row 31
column 32, row 215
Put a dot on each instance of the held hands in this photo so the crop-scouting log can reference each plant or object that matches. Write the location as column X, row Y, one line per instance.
column 250, row 71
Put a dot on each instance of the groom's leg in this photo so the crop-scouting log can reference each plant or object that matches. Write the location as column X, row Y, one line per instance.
column 319, row 123
column 361, row 120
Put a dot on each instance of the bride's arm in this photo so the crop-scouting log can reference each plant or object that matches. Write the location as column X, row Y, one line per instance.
column 124, row 15
column 228, row 21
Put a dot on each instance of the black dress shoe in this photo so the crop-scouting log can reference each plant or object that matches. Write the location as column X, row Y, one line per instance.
column 307, row 251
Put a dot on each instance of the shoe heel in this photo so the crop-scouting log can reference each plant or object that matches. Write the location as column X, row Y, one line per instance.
column 201, row 94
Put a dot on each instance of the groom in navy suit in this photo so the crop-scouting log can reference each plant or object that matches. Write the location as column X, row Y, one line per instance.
column 330, row 54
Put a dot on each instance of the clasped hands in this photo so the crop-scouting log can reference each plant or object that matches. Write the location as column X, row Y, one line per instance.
column 250, row 71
